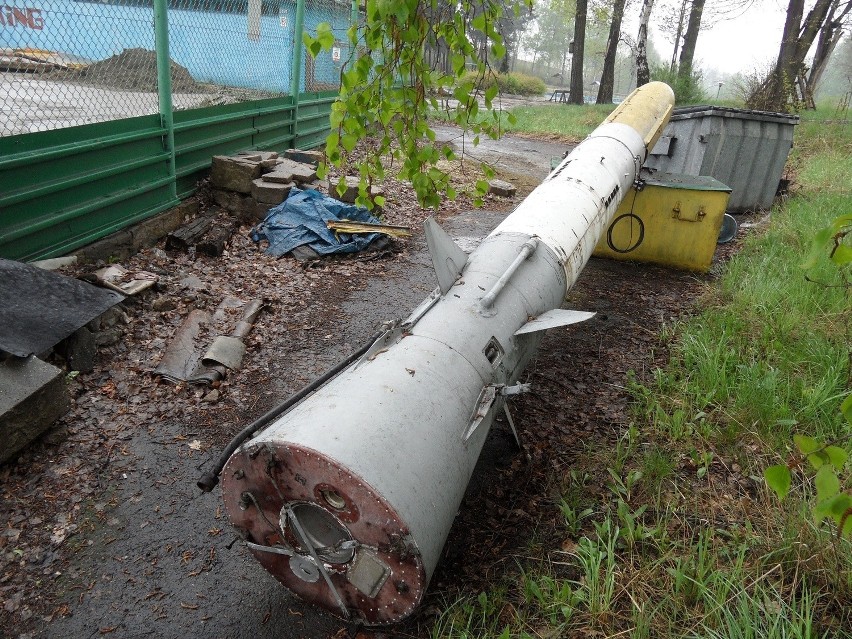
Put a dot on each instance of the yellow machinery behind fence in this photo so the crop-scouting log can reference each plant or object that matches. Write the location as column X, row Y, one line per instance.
column 669, row 219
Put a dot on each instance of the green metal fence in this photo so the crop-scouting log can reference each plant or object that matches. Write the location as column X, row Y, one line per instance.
column 111, row 111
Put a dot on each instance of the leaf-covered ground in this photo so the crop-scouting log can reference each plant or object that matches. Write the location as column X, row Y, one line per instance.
column 105, row 533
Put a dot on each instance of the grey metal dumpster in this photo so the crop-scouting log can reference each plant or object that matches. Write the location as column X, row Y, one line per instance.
column 744, row 149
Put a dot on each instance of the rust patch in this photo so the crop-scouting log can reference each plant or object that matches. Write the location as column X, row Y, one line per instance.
column 259, row 480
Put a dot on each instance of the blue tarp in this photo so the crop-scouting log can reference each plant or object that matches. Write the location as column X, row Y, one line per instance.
column 301, row 219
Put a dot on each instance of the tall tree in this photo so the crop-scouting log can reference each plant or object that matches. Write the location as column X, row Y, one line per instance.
column 576, row 94
column 608, row 73
column 782, row 90
column 643, row 73
column 678, row 33
column 510, row 26
column 690, row 39
column 829, row 36
column 551, row 39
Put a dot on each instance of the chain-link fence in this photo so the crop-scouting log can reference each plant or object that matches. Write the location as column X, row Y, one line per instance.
column 71, row 62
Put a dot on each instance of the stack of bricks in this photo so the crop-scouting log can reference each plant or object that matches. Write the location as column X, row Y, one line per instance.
column 249, row 184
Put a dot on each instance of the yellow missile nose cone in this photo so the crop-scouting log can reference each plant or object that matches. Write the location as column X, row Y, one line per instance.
column 647, row 111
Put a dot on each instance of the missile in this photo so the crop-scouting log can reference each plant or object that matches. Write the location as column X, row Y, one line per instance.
column 346, row 493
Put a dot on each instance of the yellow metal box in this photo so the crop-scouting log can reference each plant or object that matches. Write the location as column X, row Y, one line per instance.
column 669, row 219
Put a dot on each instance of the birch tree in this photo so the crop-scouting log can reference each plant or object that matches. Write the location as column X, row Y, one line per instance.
column 643, row 73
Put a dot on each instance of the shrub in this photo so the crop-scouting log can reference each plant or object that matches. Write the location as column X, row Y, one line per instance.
column 512, row 83
column 687, row 89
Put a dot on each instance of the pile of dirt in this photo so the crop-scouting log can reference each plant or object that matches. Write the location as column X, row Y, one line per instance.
column 133, row 70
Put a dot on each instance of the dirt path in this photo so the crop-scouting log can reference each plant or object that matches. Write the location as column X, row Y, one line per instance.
column 110, row 537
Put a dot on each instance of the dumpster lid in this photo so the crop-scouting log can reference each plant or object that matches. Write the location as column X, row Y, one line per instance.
column 708, row 110
column 682, row 181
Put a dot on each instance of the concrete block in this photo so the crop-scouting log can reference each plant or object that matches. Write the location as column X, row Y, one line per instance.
column 267, row 159
column 243, row 207
column 32, row 396
column 270, row 192
column 122, row 244
column 351, row 191
column 233, row 173
column 289, row 171
column 307, row 157
column 501, row 188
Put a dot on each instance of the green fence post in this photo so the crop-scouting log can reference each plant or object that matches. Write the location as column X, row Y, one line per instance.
column 296, row 75
column 164, row 85
column 353, row 19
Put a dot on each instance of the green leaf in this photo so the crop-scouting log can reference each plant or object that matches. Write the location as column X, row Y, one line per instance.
column 491, row 93
column 325, row 36
column 818, row 459
column 778, row 479
column 805, row 444
column 834, row 507
column 349, row 141
column 458, row 62
column 826, row 482
column 482, row 186
column 846, row 408
column 842, row 254
column 836, row 456
column 498, row 49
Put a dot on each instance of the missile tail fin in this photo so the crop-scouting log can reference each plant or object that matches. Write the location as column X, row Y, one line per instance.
column 552, row 319
column 447, row 257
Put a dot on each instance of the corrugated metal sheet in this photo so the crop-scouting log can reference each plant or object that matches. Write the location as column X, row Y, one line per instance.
column 744, row 149
column 63, row 189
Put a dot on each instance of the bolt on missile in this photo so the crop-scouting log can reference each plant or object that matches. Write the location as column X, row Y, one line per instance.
column 348, row 495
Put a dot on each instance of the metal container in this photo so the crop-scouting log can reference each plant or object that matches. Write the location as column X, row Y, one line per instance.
column 668, row 219
column 348, row 497
column 744, row 149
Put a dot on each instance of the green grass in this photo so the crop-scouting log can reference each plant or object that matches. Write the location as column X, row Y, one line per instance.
column 689, row 542
column 570, row 121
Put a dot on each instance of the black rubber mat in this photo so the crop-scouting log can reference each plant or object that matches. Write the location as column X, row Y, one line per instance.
column 39, row 308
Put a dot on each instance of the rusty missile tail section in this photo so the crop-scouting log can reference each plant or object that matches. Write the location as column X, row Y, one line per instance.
column 346, row 492
column 324, row 533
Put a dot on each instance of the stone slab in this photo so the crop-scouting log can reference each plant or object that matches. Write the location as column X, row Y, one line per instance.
column 122, row 244
column 501, row 188
column 351, row 192
column 231, row 173
column 307, row 157
column 243, row 207
column 289, row 171
column 267, row 159
column 32, row 396
column 270, row 192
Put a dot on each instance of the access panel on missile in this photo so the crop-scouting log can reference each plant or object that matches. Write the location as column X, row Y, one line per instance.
column 348, row 495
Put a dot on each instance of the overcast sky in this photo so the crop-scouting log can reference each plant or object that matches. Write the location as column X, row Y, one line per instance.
column 740, row 44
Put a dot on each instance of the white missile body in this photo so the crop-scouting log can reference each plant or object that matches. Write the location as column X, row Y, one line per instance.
column 348, row 497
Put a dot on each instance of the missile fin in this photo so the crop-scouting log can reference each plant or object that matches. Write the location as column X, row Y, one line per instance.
column 552, row 319
column 447, row 257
